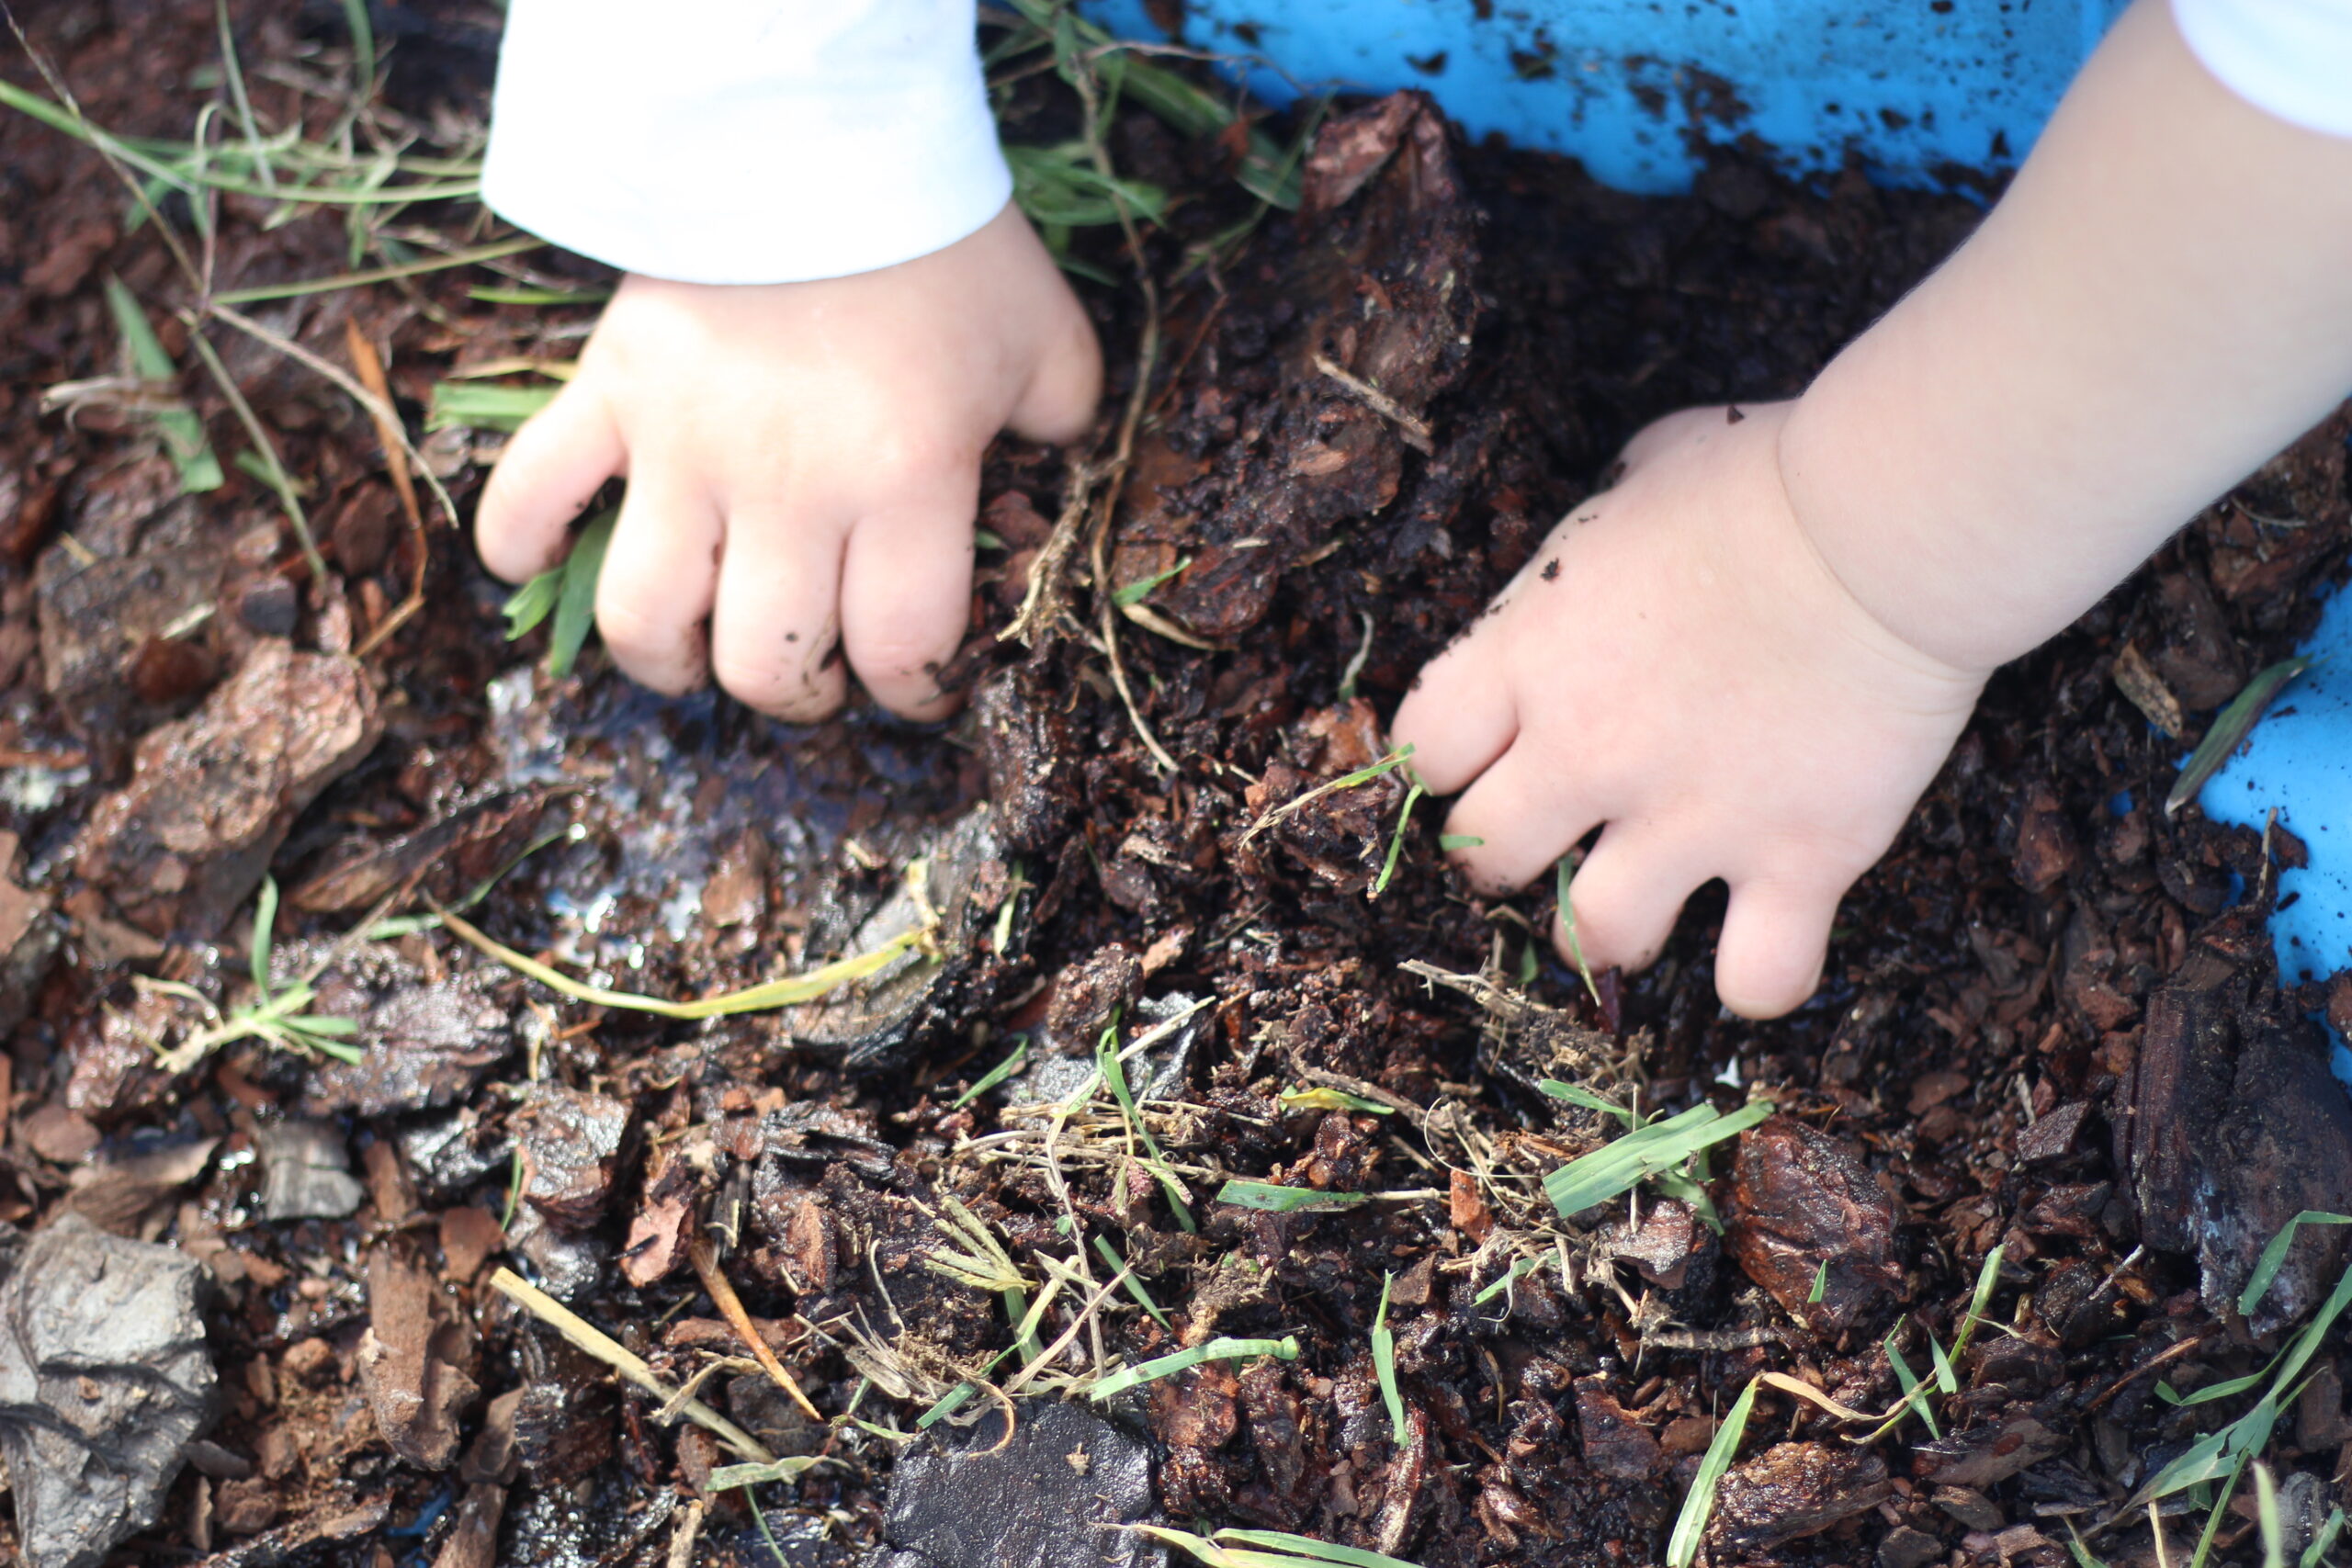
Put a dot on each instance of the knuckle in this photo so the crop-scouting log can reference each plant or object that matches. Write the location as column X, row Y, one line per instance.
column 902, row 656
column 786, row 688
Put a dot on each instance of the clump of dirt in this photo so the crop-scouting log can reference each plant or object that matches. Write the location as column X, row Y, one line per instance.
column 1154, row 920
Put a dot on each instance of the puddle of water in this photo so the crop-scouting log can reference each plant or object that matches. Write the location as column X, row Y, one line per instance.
column 668, row 786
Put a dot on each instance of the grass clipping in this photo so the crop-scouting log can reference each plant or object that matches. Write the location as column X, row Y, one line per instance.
column 789, row 991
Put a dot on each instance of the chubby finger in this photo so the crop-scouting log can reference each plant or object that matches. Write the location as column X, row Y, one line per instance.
column 1066, row 388
column 1525, row 819
column 1627, row 896
column 659, row 575
column 1663, row 435
column 907, row 599
column 547, row 475
column 776, row 632
column 1775, row 941
column 1459, row 716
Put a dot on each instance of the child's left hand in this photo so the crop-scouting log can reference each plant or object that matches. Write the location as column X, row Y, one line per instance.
column 1678, row 662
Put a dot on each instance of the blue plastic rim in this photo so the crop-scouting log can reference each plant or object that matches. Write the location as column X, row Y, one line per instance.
column 2299, row 763
column 1918, row 91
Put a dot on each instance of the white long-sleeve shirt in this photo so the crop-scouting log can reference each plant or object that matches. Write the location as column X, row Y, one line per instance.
column 777, row 140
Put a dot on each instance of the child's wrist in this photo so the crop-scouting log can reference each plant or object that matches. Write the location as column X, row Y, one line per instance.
column 1819, row 488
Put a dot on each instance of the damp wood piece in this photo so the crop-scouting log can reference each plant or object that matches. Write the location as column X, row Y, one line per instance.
column 1050, row 1494
column 1615, row 1444
column 129, row 633
column 569, row 1144
column 306, row 1171
column 2169, row 1104
column 1810, row 1223
column 103, row 1376
column 1315, row 377
column 213, row 794
column 2282, row 1148
column 429, row 1040
column 1984, row 1456
column 879, row 1022
column 1793, row 1490
column 28, row 939
column 416, row 1359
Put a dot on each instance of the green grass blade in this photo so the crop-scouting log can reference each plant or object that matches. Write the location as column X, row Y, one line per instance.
column 1562, row 876
column 575, row 605
column 2274, row 1256
column 1138, row 591
column 363, row 69
column 1201, row 1547
column 1987, row 1277
column 1309, row 1547
column 1512, row 1276
column 2265, row 1514
column 1396, row 841
column 1109, row 1254
column 1384, row 1367
column 2081, row 1553
column 1691, row 1524
column 993, row 1077
column 1219, row 1349
column 1114, row 1077
column 1576, row 1095
column 2235, row 723
column 183, row 432
column 1620, row 1165
column 1320, row 1098
column 532, row 602
column 1279, row 1199
column 300, row 287
column 483, row 405
column 265, row 922
column 2325, row 1541
column 1910, row 1382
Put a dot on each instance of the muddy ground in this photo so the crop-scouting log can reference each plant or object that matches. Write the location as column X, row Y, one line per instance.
column 248, row 1286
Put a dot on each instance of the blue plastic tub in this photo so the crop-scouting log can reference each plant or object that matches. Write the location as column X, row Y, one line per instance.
column 1916, row 91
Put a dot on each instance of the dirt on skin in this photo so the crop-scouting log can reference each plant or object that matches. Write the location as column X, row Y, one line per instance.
column 2051, row 1023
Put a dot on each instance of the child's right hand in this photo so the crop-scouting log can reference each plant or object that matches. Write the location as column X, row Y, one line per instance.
column 803, row 465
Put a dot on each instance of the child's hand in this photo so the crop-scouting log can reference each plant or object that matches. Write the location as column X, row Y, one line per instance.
column 1677, row 662
column 803, row 465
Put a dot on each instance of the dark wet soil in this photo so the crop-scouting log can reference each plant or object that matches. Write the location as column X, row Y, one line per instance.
column 2051, row 1025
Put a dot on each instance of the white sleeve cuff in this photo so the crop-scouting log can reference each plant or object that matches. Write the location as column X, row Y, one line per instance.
column 744, row 141
column 2290, row 58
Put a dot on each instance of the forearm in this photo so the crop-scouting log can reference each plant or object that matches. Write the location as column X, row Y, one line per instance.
column 2162, row 301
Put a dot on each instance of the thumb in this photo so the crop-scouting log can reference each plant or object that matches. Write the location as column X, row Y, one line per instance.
column 1066, row 384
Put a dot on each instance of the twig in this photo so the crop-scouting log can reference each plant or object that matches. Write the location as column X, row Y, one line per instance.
column 382, row 411
column 682, row 1542
column 2170, row 1353
column 370, row 366
column 1119, row 680
column 279, row 479
column 704, row 1257
column 1363, row 775
column 601, row 1346
column 1416, row 431
column 1041, row 604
